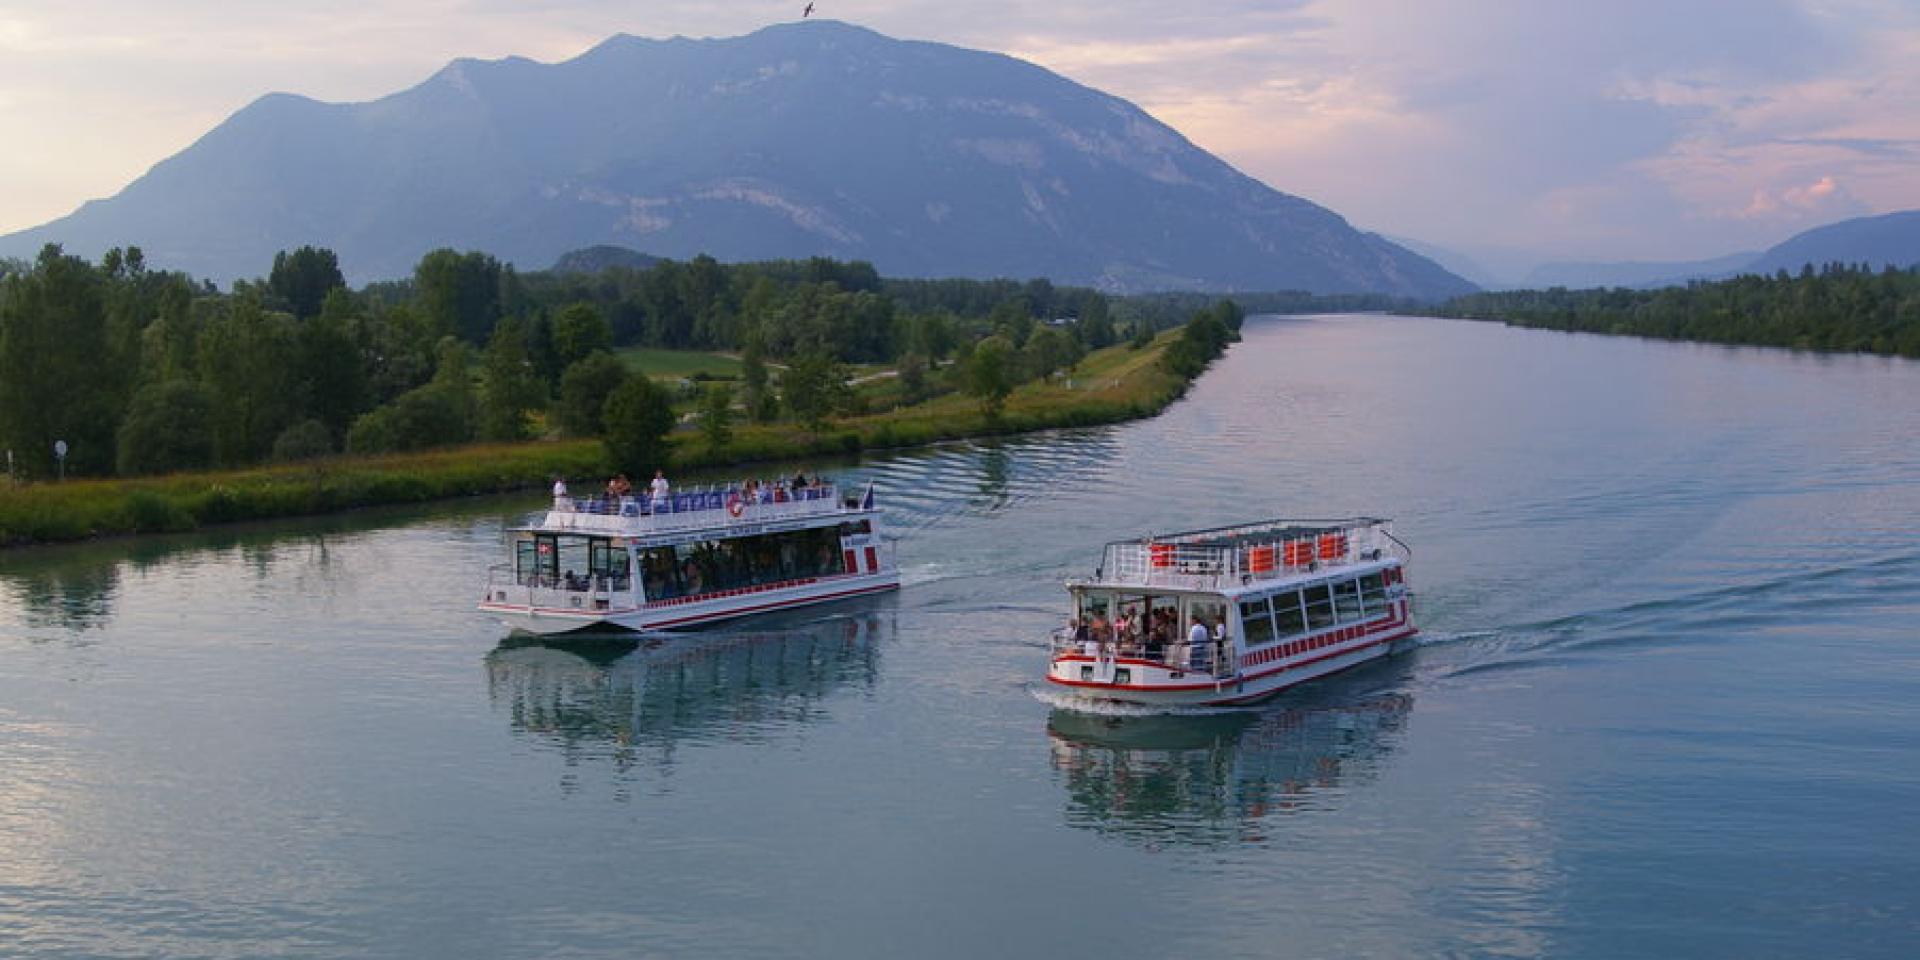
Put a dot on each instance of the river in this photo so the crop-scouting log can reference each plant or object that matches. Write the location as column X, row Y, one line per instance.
column 1666, row 701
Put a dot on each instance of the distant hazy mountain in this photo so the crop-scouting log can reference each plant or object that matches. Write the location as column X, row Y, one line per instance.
column 1633, row 273
column 1459, row 264
column 598, row 258
column 1892, row 238
column 801, row 139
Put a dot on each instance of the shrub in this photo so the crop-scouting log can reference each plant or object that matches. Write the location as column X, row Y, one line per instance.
column 305, row 440
column 166, row 429
column 430, row 416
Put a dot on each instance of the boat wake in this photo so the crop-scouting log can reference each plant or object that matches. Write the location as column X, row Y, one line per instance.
column 1115, row 708
column 1720, row 614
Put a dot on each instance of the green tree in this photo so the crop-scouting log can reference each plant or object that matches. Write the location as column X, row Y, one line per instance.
column 303, row 278
column 584, row 389
column 1049, row 350
column 988, row 374
column 1013, row 319
column 638, row 417
column 1096, row 322
column 511, row 389
column 753, row 373
column 812, row 387
column 459, row 292
column 332, row 374
column 247, row 358
column 53, row 342
column 716, row 416
column 578, row 331
column 167, row 429
column 1142, row 336
column 912, row 370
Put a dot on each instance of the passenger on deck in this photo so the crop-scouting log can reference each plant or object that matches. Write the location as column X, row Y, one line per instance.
column 1081, row 636
column 560, row 501
column 1197, row 642
column 659, row 488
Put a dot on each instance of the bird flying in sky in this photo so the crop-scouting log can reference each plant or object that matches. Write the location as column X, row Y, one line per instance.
column 808, row 12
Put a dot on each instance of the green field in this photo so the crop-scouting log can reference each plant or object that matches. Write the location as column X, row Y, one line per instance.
column 680, row 364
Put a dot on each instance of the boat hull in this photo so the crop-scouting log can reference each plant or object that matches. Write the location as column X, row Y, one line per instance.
column 1161, row 687
column 687, row 612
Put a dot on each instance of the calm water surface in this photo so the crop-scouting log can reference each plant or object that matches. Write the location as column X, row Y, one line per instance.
column 1667, row 702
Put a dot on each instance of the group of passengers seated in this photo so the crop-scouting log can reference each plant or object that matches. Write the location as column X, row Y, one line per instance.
column 1157, row 638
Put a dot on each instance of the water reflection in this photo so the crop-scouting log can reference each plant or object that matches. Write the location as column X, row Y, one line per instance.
column 635, row 702
column 75, row 595
column 1218, row 779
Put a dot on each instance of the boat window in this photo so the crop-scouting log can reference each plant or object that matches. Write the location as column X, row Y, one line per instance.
column 1094, row 609
column 707, row 566
column 526, row 563
column 1130, row 621
column 1211, row 612
column 1288, row 618
column 1346, row 600
column 1373, row 593
column 660, row 574
column 1319, row 606
column 1256, row 621
column 1164, row 625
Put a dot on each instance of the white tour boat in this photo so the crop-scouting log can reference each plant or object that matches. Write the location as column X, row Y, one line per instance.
column 1279, row 603
column 694, row 557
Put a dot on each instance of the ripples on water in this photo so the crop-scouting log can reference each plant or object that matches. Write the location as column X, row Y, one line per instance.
column 1666, row 701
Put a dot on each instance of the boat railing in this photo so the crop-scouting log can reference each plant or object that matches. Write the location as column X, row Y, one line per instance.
column 1215, row 657
column 697, row 508
column 1212, row 559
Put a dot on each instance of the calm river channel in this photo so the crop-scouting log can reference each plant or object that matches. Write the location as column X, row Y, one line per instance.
column 1667, row 701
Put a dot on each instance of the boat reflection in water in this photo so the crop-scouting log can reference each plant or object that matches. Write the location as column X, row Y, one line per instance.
column 631, row 701
column 1219, row 779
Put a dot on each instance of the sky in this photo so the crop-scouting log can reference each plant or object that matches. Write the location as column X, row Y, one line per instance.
column 1514, row 131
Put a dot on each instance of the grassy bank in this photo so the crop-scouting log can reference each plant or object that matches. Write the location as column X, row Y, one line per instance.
column 1107, row 387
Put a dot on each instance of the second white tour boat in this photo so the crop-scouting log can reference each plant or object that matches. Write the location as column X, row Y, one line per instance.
column 1234, row 614
column 692, row 558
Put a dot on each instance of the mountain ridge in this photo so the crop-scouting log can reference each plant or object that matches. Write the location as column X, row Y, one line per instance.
column 800, row 139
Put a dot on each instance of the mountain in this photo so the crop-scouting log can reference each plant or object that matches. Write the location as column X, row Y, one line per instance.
column 597, row 258
column 1892, row 238
column 1459, row 264
column 813, row 138
column 1580, row 275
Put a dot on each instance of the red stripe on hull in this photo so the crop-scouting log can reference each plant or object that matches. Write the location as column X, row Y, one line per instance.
column 1239, row 681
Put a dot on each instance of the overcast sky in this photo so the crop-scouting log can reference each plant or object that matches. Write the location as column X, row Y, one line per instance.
column 1626, row 129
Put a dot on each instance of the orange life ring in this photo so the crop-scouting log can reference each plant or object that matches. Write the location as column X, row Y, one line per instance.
column 736, row 506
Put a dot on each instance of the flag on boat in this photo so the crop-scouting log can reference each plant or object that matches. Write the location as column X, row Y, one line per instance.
column 867, row 504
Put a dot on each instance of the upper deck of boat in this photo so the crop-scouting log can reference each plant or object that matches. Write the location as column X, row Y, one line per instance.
column 722, row 511
column 1231, row 559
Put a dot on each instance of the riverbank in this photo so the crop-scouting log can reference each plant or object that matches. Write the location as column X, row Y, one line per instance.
column 1110, row 386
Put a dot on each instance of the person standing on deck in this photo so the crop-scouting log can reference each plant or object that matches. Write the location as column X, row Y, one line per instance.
column 1197, row 637
column 659, row 487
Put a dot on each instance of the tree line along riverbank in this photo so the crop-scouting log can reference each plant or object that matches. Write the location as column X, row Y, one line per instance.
column 1118, row 383
column 168, row 403
column 1841, row 308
